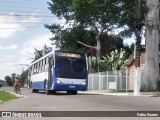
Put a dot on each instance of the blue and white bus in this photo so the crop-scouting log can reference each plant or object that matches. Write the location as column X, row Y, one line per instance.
column 59, row 71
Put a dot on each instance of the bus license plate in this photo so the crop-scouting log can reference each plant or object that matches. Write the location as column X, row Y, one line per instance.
column 72, row 86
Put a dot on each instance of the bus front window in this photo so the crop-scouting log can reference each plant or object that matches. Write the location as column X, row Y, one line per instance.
column 70, row 68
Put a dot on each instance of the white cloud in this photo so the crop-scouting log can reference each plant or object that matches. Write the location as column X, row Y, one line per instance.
column 10, row 24
column 38, row 42
column 13, row 46
column 9, row 67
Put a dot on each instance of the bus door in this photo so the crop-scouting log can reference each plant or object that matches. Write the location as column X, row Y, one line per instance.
column 50, row 72
column 29, row 77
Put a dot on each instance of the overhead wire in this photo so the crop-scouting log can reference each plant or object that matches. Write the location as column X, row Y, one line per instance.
column 13, row 6
column 24, row 11
column 24, row 27
column 42, row 16
column 27, row 15
column 24, row 2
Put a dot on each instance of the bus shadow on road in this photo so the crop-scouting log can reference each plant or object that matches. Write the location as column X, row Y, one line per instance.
column 63, row 93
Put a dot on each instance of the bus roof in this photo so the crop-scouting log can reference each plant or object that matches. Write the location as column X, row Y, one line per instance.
column 52, row 52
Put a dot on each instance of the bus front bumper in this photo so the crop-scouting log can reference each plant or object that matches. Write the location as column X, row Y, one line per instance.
column 70, row 87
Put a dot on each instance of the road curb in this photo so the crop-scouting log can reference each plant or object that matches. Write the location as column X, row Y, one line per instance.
column 114, row 94
column 17, row 95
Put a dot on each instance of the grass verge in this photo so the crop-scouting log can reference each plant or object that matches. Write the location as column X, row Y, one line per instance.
column 6, row 96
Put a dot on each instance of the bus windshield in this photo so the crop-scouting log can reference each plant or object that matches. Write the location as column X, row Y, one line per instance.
column 74, row 68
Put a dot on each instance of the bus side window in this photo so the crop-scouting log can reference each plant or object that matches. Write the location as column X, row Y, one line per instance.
column 52, row 61
column 34, row 71
column 44, row 65
column 41, row 65
column 37, row 67
column 47, row 60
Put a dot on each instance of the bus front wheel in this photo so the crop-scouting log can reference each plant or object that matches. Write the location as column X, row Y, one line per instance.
column 47, row 92
column 74, row 92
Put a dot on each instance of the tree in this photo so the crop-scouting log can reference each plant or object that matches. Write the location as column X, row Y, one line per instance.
column 38, row 54
column 146, row 14
column 69, row 37
column 46, row 50
column 24, row 76
column 151, row 71
column 13, row 75
column 41, row 53
column 8, row 80
column 96, row 15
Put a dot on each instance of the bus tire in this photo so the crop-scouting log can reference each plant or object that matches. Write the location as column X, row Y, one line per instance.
column 54, row 92
column 74, row 92
column 33, row 90
column 47, row 92
column 69, row 92
column 36, row 91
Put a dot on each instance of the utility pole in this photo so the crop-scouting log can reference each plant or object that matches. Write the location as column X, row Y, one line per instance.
column 138, row 29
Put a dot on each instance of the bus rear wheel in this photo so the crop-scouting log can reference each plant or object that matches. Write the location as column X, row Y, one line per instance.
column 35, row 91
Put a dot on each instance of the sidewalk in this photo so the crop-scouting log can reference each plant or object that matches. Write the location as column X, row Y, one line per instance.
column 104, row 92
column 96, row 92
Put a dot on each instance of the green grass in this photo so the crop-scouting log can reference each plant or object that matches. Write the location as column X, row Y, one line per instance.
column 6, row 96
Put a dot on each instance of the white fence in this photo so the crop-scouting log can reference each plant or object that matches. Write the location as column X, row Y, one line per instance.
column 117, row 80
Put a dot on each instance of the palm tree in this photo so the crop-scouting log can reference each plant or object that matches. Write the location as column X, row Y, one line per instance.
column 40, row 53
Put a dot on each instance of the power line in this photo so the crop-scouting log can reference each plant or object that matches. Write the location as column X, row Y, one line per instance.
column 23, row 3
column 21, row 15
column 23, row 21
column 24, row 27
column 28, row 22
column 24, row 11
column 22, row 7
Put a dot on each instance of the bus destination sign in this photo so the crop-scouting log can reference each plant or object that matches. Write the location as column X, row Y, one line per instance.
column 69, row 55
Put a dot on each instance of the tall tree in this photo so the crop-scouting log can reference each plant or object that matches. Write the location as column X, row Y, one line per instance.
column 40, row 53
column 151, row 71
column 96, row 15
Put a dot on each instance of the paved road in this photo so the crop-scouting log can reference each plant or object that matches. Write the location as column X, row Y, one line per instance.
column 80, row 102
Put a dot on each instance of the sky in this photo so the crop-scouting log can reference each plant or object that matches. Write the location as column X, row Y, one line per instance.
column 21, row 30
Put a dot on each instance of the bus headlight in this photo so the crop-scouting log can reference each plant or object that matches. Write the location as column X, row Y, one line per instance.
column 59, row 82
column 83, row 83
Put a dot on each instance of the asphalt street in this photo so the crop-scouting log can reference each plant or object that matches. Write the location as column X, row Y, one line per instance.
column 80, row 102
